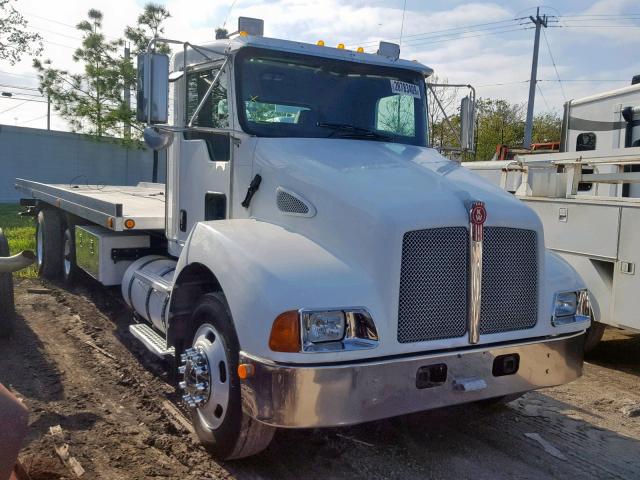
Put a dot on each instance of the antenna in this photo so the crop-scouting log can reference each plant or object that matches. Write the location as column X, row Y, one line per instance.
column 233, row 4
column 404, row 9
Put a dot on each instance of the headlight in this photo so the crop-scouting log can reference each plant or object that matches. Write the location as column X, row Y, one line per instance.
column 566, row 304
column 323, row 330
column 327, row 326
column 570, row 307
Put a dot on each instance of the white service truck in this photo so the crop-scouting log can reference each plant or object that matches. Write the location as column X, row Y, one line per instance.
column 310, row 262
column 588, row 199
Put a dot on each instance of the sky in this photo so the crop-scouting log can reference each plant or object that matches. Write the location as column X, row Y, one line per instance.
column 590, row 45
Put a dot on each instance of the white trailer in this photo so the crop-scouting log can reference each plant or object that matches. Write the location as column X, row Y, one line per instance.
column 310, row 262
column 588, row 199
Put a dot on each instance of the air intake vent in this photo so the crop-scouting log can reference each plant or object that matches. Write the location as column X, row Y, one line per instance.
column 291, row 203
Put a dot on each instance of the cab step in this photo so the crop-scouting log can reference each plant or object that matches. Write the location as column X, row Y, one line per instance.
column 151, row 339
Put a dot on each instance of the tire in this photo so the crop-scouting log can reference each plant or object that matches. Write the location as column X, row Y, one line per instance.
column 49, row 243
column 593, row 335
column 220, row 422
column 7, row 307
column 69, row 265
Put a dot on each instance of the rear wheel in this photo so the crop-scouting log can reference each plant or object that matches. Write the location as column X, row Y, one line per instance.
column 49, row 243
column 211, row 385
column 7, row 309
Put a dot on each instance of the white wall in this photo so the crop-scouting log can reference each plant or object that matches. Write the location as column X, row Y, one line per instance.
column 62, row 157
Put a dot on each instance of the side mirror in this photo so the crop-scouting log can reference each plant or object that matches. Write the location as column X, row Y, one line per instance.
column 152, row 92
column 467, row 123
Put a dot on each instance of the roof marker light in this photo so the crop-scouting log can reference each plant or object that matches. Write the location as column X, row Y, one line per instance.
column 320, row 43
column 341, row 46
column 360, row 50
column 243, row 33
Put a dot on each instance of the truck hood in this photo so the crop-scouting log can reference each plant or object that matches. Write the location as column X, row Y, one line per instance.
column 368, row 192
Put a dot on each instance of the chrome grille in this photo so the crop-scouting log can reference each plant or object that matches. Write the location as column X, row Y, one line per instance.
column 433, row 284
column 509, row 280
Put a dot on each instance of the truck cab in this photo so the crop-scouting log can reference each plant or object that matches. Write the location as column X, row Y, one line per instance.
column 323, row 265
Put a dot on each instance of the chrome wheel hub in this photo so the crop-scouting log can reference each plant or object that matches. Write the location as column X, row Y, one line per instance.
column 205, row 378
column 196, row 383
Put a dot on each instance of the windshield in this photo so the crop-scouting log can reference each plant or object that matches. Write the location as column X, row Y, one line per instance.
column 290, row 95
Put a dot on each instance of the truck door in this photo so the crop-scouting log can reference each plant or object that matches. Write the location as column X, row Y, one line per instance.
column 205, row 151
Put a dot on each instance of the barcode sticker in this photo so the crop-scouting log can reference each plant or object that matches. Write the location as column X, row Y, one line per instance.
column 404, row 88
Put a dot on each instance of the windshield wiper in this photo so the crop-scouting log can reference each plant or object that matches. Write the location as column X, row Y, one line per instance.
column 353, row 131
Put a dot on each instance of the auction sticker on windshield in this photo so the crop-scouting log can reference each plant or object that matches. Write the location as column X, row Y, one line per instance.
column 404, row 88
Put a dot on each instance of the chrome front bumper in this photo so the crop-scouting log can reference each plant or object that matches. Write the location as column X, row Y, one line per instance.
column 344, row 394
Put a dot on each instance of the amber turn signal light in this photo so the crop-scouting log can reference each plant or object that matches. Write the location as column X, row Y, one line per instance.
column 285, row 333
column 246, row 370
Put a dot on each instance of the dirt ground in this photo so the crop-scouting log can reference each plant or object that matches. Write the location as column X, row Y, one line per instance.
column 74, row 364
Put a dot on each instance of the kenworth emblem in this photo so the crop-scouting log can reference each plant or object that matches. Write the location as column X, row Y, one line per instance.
column 477, row 217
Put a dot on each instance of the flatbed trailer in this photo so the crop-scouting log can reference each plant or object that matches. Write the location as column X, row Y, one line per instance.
column 115, row 207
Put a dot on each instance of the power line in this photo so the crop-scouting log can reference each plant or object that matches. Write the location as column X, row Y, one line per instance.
column 462, row 37
column 13, row 108
column 543, row 97
column 585, row 80
column 502, row 83
column 31, row 120
column 554, row 65
column 462, row 29
column 595, row 26
column 25, row 99
column 18, row 74
column 18, row 87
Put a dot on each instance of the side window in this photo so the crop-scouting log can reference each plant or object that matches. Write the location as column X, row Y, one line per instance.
column 396, row 114
column 586, row 141
column 214, row 113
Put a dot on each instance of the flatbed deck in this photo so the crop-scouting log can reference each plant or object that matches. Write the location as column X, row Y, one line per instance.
column 109, row 206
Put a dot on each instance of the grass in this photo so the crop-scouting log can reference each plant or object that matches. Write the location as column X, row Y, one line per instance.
column 20, row 233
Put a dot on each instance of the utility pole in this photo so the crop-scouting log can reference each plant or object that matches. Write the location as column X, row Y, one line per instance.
column 48, row 111
column 528, row 129
column 127, row 95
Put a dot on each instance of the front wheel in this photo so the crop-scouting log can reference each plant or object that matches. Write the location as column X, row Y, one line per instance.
column 211, row 386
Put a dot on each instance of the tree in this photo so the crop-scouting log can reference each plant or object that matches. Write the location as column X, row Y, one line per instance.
column 92, row 102
column 499, row 122
column 15, row 39
column 149, row 26
column 546, row 127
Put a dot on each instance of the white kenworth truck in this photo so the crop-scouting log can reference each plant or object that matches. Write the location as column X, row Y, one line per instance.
column 310, row 262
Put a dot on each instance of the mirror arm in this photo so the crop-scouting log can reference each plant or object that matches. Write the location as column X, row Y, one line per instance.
column 446, row 117
column 207, row 93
